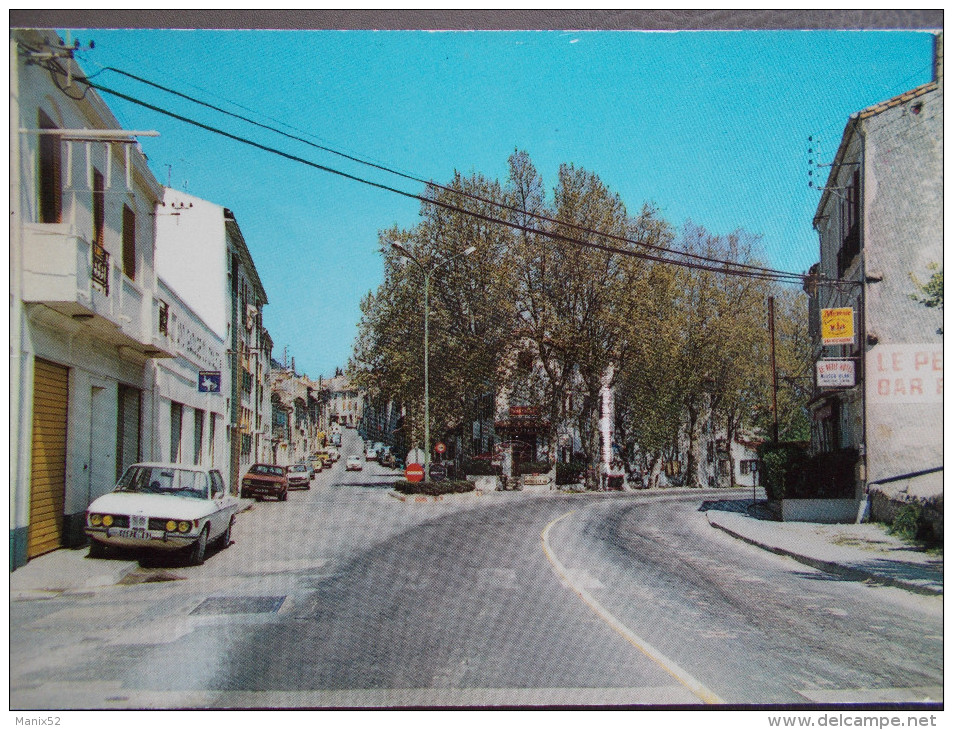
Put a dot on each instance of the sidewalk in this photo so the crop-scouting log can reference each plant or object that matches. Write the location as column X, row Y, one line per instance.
column 66, row 570
column 856, row 552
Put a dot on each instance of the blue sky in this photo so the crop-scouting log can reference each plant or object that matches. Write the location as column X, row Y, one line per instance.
column 711, row 127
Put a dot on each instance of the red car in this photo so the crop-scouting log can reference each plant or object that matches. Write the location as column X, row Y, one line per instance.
column 265, row 480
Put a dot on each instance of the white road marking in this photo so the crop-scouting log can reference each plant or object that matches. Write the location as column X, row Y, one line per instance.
column 683, row 677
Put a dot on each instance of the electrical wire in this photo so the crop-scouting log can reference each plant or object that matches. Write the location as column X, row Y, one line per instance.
column 725, row 267
column 430, row 183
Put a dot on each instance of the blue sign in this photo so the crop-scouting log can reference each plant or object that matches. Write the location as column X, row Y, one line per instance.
column 210, row 381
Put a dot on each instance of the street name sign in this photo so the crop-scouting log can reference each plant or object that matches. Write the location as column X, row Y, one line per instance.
column 414, row 473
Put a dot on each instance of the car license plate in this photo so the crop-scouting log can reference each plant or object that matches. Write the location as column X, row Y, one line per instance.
column 135, row 534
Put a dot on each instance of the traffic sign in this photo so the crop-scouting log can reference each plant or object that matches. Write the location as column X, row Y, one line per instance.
column 414, row 472
column 438, row 472
column 440, row 447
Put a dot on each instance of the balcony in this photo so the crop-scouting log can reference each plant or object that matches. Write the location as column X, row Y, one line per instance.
column 79, row 279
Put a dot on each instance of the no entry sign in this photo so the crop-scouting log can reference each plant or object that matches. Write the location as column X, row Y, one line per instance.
column 414, row 472
column 440, row 447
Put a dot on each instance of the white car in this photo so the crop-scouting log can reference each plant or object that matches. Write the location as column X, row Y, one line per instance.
column 353, row 463
column 163, row 507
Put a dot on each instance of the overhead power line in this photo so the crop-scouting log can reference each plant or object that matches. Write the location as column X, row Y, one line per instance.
column 438, row 186
column 721, row 267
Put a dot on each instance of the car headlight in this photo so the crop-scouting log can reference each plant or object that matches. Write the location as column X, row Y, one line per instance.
column 185, row 526
column 246, row 482
column 95, row 520
column 107, row 520
column 171, row 526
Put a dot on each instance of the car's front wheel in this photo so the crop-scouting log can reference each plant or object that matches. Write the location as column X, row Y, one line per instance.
column 283, row 497
column 226, row 538
column 197, row 554
column 97, row 549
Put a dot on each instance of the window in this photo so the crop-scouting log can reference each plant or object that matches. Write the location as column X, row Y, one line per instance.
column 849, row 224
column 99, row 207
column 199, row 434
column 129, row 242
column 175, row 441
column 50, row 174
column 218, row 484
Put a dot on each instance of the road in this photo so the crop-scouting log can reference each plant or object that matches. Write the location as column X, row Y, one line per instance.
column 345, row 596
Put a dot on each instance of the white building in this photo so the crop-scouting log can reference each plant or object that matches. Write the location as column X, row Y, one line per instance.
column 203, row 257
column 191, row 414
column 84, row 310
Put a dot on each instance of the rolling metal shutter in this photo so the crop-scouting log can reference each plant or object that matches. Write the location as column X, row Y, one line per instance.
column 48, row 468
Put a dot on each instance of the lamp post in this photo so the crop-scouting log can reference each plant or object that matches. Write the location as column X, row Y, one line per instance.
column 427, row 274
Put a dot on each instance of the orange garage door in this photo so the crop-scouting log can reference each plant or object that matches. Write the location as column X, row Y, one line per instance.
column 48, row 470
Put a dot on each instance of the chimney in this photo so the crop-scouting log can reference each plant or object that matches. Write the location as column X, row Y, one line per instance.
column 938, row 57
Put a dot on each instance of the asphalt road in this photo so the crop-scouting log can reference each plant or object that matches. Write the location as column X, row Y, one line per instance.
column 344, row 596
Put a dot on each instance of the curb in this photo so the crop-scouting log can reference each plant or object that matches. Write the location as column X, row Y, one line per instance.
column 423, row 498
column 856, row 574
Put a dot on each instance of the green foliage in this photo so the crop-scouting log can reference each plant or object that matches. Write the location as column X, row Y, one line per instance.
column 781, row 465
column 570, row 473
column 480, row 468
column 434, row 489
column 907, row 521
column 931, row 293
column 533, row 467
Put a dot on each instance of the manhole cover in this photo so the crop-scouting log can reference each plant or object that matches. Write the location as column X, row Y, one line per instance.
column 238, row 604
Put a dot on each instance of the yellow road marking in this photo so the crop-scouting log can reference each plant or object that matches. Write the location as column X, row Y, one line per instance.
column 679, row 674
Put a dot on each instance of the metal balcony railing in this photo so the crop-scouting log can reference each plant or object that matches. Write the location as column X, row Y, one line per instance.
column 101, row 268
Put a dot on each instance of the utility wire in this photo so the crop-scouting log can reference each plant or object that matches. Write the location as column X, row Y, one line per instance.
column 435, row 185
column 726, row 267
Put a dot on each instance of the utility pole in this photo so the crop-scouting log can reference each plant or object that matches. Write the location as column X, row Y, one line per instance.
column 774, row 369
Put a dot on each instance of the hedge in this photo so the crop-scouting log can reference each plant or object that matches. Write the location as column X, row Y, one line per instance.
column 789, row 473
column 480, row 468
column 433, row 489
column 533, row 467
column 571, row 473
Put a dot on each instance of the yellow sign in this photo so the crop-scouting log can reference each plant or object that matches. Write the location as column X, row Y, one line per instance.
column 837, row 326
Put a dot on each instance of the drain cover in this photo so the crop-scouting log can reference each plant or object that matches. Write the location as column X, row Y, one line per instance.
column 238, row 604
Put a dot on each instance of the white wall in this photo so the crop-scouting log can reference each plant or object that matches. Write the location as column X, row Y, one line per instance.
column 192, row 255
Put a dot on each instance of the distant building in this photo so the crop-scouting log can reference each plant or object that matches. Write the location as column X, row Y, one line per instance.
column 344, row 404
column 86, row 312
column 297, row 424
column 880, row 222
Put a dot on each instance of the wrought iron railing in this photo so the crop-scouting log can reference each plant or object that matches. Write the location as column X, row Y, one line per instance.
column 163, row 318
column 101, row 268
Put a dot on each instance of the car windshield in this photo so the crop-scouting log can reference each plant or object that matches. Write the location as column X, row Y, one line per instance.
column 165, row 480
column 298, row 467
column 275, row 471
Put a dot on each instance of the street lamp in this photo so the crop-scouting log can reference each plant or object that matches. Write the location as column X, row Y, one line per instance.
column 427, row 274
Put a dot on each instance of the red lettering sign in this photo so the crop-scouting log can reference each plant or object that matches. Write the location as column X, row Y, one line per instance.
column 414, row 472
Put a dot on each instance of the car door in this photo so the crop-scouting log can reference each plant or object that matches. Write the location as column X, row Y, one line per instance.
column 225, row 504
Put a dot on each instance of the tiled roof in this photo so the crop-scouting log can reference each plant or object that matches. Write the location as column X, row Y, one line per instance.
column 897, row 100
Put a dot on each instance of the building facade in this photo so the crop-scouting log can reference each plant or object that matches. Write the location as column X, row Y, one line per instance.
column 880, row 226
column 85, row 307
column 203, row 257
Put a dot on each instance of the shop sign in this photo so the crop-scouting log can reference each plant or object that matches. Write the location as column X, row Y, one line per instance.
column 837, row 326
column 900, row 374
column 524, row 412
column 835, row 374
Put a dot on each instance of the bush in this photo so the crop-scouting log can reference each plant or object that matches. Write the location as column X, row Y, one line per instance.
column 571, row 473
column 433, row 489
column 789, row 473
column 781, row 465
column 480, row 468
column 534, row 467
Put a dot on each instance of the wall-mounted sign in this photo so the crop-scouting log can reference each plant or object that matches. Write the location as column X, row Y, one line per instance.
column 837, row 326
column 835, row 374
column 908, row 373
column 210, row 381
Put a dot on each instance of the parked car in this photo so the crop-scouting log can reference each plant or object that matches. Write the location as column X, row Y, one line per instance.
column 299, row 476
column 325, row 457
column 353, row 463
column 386, row 457
column 335, row 454
column 163, row 507
column 370, row 453
column 317, row 464
column 265, row 480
